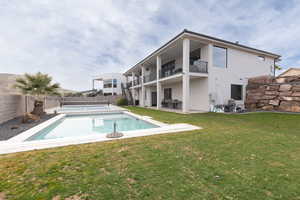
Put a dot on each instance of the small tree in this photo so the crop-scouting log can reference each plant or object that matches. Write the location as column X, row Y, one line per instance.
column 277, row 67
column 38, row 85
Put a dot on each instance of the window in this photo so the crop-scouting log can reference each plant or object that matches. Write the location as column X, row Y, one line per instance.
column 220, row 57
column 168, row 68
column 195, row 56
column 236, row 92
column 167, row 93
column 107, row 84
column 115, row 82
column 261, row 58
column 110, row 83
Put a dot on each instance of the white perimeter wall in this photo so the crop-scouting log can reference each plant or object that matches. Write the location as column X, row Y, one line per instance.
column 12, row 106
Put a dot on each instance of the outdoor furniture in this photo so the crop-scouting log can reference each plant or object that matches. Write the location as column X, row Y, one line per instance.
column 170, row 103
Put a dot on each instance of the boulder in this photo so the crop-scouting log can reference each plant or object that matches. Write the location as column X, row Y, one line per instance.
column 267, row 97
column 251, row 106
column 289, row 106
column 280, row 80
column 274, row 102
column 286, row 93
column 268, row 108
column 285, row 87
column 296, row 88
column 272, row 87
column 261, row 80
column 285, row 98
column 296, row 94
column 291, row 79
column 252, row 86
column 272, row 93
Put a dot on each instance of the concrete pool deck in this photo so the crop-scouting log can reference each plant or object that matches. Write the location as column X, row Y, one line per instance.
column 19, row 143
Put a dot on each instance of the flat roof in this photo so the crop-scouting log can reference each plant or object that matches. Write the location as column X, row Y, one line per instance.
column 185, row 31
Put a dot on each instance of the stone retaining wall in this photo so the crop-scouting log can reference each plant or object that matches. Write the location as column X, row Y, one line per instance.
column 12, row 106
column 273, row 94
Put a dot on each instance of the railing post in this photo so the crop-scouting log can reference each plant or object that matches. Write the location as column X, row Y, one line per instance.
column 143, row 87
column 133, row 90
column 158, row 84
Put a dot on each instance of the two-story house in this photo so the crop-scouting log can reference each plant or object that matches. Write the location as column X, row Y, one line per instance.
column 193, row 72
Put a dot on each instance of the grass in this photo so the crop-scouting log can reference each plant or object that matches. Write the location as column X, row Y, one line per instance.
column 249, row 156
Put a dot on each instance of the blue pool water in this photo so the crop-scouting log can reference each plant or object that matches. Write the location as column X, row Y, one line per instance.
column 84, row 125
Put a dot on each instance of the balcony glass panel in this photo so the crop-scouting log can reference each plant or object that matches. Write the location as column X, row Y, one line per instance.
column 150, row 77
column 199, row 66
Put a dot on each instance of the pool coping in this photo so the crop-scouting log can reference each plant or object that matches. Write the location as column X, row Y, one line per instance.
column 18, row 143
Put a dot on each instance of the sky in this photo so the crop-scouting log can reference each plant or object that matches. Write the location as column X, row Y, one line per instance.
column 76, row 40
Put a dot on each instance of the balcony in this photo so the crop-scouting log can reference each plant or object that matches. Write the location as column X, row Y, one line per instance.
column 199, row 66
column 169, row 72
column 137, row 81
column 129, row 84
column 150, row 77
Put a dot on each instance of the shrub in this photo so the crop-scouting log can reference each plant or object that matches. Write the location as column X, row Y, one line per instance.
column 122, row 102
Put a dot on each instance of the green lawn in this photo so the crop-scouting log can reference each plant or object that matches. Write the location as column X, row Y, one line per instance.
column 249, row 156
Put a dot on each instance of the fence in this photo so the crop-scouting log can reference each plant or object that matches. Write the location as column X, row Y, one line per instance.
column 90, row 100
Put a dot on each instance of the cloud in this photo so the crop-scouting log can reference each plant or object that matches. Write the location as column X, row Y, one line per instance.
column 75, row 40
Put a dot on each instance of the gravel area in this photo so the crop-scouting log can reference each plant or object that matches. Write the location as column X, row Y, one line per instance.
column 15, row 126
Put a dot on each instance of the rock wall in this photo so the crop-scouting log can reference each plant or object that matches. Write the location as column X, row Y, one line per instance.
column 273, row 94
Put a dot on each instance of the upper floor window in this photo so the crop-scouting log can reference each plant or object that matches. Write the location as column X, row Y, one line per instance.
column 261, row 58
column 220, row 57
column 107, row 84
column 115, row 82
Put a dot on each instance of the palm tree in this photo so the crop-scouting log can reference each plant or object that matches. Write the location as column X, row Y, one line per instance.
column 38, row 85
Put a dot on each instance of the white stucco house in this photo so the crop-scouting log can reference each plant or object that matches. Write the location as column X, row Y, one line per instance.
column 193, row 72
column 110, row 83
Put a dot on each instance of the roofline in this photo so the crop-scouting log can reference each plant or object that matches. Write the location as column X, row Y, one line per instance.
column 276, row 56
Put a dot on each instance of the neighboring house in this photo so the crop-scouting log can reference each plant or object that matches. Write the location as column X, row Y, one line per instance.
column 291, row 72
column 110, row 83
column 194, row 72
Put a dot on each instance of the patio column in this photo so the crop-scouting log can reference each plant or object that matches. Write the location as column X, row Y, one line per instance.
column 210, row 57
column 186, row 76
column 158, row 84
column 133, row 90
column 143, row 87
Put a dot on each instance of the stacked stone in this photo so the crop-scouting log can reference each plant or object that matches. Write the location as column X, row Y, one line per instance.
column 273, row 94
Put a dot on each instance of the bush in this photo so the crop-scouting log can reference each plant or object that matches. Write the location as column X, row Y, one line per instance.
column 122, row 102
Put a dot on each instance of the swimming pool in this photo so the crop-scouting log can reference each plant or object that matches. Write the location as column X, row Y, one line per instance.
column 92, row 124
